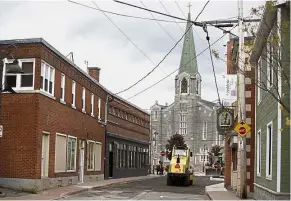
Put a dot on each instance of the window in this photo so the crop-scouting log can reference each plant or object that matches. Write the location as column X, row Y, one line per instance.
column 234, row 159
column 83, row 99
column 99, row 108
column 197, row 86
column 94, row 151
column 258, row 156
column 71, row 153
column 92, row 105
column 126, row 116
column 23, row 80
column 183, row 124
column 47, row 78
column 259, row 80
column 269, row 151
column 73, row 93
column 60, row 153
column 269, row 65
column 204, row 133
column 62, row 87
column 184, row 86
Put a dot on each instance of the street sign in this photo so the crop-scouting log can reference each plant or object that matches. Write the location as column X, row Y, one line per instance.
column 163, row 153
column 242, row 128
column 1, row 130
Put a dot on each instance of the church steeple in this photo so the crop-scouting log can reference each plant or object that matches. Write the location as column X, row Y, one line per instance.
column 189, row 51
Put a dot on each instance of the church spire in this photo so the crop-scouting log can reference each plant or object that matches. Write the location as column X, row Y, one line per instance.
column 188, row 52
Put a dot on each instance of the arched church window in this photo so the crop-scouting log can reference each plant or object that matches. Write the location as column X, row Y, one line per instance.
column 184, row 86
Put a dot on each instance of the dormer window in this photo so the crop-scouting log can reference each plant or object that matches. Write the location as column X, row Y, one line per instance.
column 184, row 86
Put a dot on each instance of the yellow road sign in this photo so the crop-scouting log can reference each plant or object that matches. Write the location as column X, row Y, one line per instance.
column 242, row 128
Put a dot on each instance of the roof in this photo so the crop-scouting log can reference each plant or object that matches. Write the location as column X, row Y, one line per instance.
column 187, row 63
column 45, row 43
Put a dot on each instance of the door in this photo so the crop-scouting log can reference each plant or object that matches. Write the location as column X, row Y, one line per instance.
column 111, row 145
column 81, row 161
column 45, row 156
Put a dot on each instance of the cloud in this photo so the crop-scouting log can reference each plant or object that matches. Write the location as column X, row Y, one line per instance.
column 92, row 37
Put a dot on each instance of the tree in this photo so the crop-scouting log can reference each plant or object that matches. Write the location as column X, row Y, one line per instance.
column 276, row 55
column 215, row 150
column 176, row 140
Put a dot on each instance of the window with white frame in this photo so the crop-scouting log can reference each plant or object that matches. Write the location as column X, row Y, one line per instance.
column 259, row 90
column 71, row 153
column 62, row 87
column 183, row 124
column 47, row 78
column 269, row 66
column 92, row 104
column 65, row 153
column 204, row 132
column 73, row 93
column 99, row 108
column 258, row 156
column 83, row 99
column 94, row 151
column 269, row 148
column 20, row 81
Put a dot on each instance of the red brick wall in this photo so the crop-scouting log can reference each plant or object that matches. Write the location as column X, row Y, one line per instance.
column 55, row 117
column 18, row 146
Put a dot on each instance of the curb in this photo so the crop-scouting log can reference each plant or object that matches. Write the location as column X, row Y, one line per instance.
column 65, row 195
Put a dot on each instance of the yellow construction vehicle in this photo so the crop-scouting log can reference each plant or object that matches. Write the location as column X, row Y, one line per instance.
column 180, row 169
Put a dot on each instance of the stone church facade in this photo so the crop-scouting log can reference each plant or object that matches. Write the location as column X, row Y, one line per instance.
column 189, row 115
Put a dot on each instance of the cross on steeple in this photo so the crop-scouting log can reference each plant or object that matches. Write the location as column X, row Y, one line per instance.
column 189, row 5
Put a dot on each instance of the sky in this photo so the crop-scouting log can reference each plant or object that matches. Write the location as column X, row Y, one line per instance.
column 127, row 53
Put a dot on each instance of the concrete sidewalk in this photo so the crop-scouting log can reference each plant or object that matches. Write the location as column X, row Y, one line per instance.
column 218, row 192
column 62, row 192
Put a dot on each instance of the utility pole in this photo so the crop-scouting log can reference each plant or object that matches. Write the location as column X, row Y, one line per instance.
column 242, row 115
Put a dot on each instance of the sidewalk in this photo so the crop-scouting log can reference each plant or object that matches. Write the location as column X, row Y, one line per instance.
column 218, row 192
column 58, row 193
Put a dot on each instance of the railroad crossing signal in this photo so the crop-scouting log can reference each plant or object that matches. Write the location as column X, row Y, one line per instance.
column 242, row 128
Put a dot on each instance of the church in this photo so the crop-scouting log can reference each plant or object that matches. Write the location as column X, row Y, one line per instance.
column 189, row 115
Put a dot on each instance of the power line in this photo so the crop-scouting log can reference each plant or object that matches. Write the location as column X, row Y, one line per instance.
column 126, row 36
column 195, row 23
column 202, row 10
column 159, row 23
column 158, row 63
column 119, row 14
column 214, row 74
column 166, row 54
column 169, row 14
column 179, row 8
column 177, row 68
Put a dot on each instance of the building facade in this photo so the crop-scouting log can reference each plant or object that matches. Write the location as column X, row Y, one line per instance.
column 127, row 140
column 189, row 115
column 272, row 61
column 55, row 124
column 233, row 159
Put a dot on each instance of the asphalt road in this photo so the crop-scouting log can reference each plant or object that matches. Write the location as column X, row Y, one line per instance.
column 150, row 189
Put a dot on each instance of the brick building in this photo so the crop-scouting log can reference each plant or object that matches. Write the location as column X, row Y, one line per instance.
column 54, row 125
column 127, row 140
column 232, row 147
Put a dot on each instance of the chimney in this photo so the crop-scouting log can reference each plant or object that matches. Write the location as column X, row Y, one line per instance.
column 94, row 72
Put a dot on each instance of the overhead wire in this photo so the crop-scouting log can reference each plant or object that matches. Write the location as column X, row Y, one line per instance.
column 177, row 68
column 158, row 63
column 119, row 14
column 127, row 37
column 159, row 23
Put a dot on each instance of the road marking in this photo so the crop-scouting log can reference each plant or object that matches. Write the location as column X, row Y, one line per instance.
column 138, row 196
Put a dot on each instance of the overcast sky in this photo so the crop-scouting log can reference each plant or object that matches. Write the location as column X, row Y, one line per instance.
column 92, row 37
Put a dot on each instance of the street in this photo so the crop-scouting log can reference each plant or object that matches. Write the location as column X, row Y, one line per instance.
column 150, row 189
